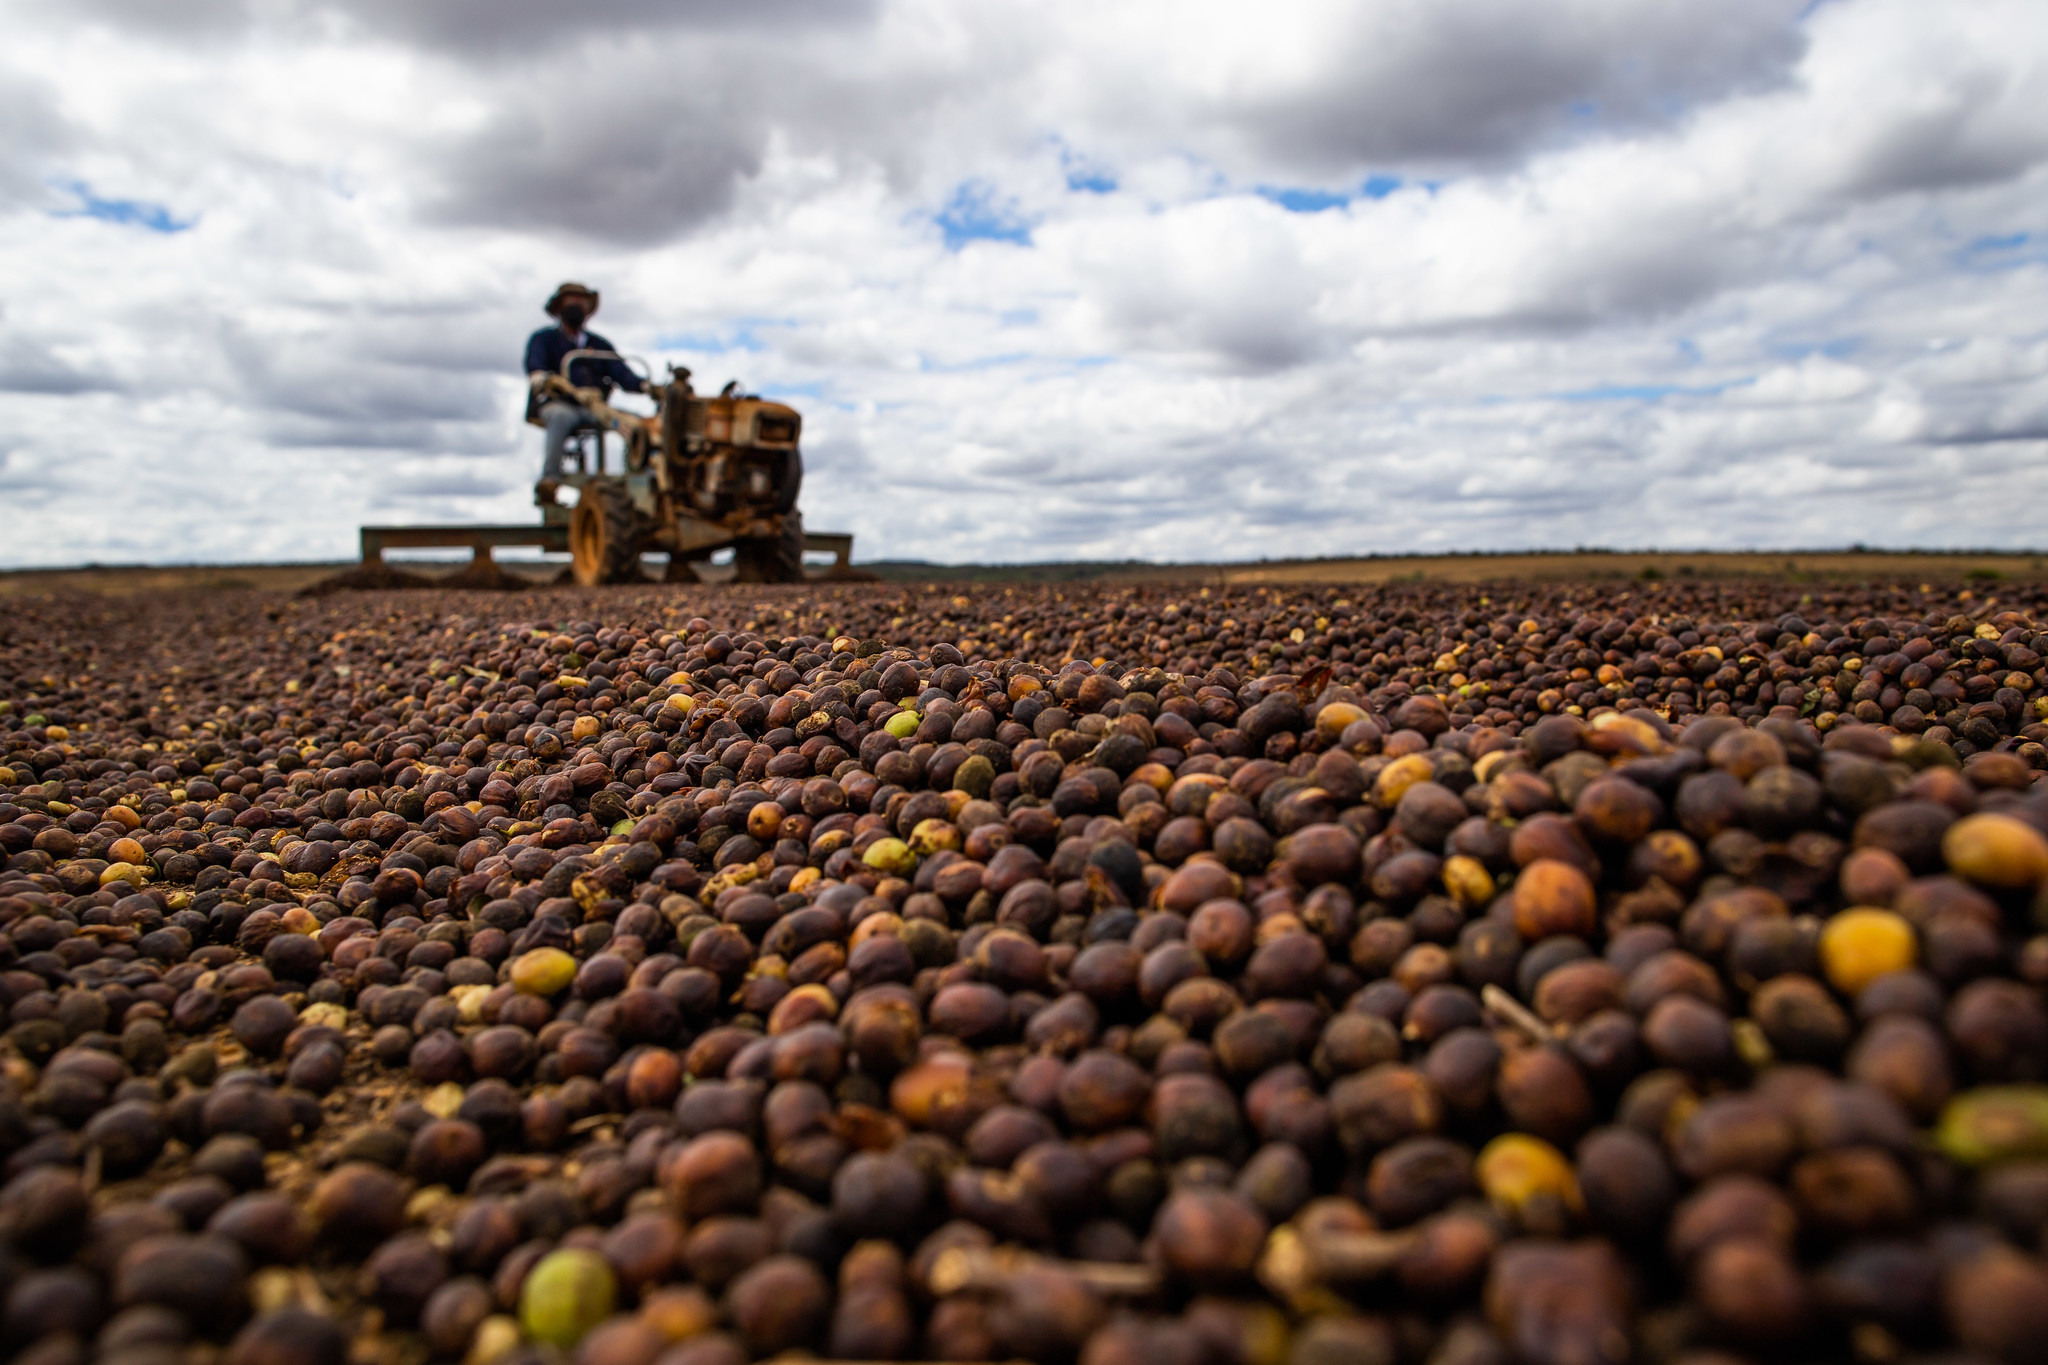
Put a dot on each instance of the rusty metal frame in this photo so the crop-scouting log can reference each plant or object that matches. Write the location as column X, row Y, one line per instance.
column 482, row 540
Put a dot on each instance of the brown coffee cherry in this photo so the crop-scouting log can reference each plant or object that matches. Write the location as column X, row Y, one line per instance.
column 289, row 1336
column 779, row 1304
column 1751, row 1289
column 1209, row 1238
column 1553, row 897
column 358, row 1202
column 719, row 1172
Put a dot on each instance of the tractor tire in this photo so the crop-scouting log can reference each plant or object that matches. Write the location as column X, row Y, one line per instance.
column 772, row 559
column 603, row 543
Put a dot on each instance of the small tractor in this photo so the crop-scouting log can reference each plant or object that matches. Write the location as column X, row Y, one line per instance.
column 697, row 476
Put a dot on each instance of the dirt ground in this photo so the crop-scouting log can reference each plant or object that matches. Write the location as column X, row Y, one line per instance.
column 1474, row 568
column 1456, row 568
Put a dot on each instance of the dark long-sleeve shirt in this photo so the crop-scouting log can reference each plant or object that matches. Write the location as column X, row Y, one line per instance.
column 545, row 349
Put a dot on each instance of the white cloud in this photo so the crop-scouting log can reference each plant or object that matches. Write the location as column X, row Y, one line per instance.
column 1815, row 379
column 1048, row 280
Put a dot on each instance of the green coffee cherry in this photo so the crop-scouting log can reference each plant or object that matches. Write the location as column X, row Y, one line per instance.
column 1995, row 1123
column 569, row 1292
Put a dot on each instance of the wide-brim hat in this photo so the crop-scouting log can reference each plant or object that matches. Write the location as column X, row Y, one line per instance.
column 564, row 290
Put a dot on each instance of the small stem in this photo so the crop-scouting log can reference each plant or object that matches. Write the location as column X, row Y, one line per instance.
column 986, row 1268
column 1514, row 1012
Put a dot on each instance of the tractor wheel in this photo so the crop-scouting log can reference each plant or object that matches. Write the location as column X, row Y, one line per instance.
column 602, row 542
column 772, row 559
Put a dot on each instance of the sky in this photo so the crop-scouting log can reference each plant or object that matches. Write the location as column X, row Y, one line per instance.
column 1048, row 280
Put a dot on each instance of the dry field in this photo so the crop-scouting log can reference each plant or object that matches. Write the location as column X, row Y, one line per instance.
column 1467, row 568
column 1565, row 567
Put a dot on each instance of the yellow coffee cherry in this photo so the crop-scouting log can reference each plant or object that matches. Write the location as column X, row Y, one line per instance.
column 932, row 836
column 1523, row 1175
column 124, row 872
column 891, row 857
column 1332, row 720
column 764, row 821
column 1863, row 943
column 1397, row 777
column 1468, row 881
column 1997, row 851
column 544, row 971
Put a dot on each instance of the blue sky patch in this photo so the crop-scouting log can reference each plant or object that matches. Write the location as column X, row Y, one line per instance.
column 1083, row 175
column 1303, row 201
column 143, row 213
column 739, row 338
column 1641, row 393
column 974, row 214
column 1296, row 199
column 816, row 393
column 2006, row 251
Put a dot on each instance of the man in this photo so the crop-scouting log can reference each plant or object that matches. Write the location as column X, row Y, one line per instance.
column 571, row 306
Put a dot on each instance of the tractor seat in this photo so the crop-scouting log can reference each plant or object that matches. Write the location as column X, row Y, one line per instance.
column 579, row 435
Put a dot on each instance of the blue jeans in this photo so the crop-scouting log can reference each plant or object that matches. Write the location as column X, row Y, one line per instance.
column 561, row 419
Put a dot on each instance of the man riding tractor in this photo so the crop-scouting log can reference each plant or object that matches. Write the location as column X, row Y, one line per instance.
column 571, row 306
column 697, row 476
